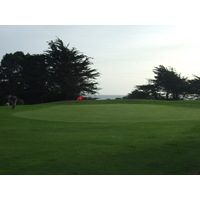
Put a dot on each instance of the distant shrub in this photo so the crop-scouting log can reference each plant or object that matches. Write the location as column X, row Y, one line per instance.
column 20, row 101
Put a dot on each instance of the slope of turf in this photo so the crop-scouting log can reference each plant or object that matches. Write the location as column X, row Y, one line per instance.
column 112, row 113
column 101, row 137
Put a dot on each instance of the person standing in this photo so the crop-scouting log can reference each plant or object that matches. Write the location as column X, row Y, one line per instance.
column 13, row 101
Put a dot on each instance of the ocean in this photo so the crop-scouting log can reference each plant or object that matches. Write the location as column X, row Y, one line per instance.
column 104, row 97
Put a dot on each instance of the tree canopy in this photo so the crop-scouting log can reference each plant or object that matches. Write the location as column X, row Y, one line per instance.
column 167, row 84
column 70, row 70
column 60, row 73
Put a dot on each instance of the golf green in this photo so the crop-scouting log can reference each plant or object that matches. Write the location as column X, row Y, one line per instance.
column 112, row 113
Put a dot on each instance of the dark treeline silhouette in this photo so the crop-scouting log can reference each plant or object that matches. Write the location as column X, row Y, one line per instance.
column 167, row 85
column 59, row 73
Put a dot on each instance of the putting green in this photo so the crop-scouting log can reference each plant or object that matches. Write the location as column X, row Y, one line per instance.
column 111, row 113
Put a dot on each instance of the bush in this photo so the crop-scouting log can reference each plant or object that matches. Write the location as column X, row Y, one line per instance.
column 20, row 101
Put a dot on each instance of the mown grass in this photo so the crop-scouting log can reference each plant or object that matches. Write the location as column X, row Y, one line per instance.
column 101, row 137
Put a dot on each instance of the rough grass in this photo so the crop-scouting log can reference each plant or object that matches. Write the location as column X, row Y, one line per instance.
column 101, row 137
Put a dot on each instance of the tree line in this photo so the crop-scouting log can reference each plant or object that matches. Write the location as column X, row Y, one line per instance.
column 60, row 73
column 167, row 85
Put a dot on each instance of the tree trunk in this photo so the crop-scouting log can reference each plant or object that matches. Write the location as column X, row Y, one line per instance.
column 167, row 95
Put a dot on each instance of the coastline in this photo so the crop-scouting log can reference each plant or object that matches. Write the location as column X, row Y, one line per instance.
column 106, row 96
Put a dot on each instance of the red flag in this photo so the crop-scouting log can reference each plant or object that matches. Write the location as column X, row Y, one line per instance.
column 80, row 98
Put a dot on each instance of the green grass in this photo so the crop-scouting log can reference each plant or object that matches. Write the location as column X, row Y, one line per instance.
column 101, row 137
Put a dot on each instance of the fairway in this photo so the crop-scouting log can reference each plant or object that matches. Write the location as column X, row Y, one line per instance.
column 111, row 137
column 112, row 113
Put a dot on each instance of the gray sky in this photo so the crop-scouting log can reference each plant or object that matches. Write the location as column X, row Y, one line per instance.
column 124, row 55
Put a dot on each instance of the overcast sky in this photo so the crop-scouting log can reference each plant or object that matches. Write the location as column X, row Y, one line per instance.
column 124, row 55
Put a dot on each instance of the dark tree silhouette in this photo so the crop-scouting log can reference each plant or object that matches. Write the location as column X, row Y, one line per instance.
column 70, row 71
column 58, row 74
column 10, row 73
column 35, row 79
column 195, row 86
column 167, row 84
column 144, row 92
column 168, row 81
